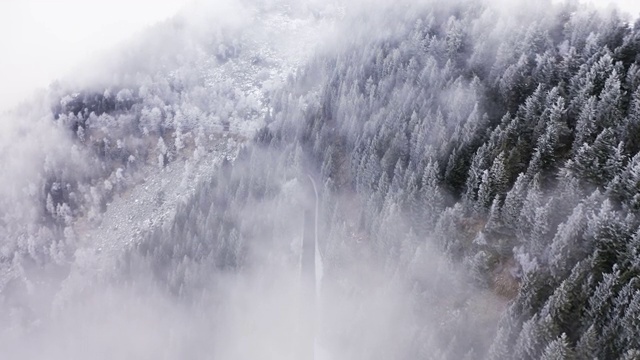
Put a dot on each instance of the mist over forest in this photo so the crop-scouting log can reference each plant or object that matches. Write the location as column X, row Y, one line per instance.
column 300, row 179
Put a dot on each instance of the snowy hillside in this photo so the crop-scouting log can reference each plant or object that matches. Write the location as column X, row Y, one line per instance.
column 125, row 180
column 347, row 180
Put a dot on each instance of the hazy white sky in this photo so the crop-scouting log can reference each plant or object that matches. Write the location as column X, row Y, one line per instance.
column 41, row 40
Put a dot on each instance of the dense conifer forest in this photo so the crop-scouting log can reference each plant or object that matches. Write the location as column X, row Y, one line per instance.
column 478, row 169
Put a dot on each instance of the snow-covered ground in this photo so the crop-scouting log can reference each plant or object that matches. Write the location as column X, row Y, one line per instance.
column 140, row 209
column 270, row 51
column 273, row 49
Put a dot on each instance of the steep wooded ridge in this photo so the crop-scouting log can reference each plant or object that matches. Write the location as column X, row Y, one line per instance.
column 510, row 144
column 478, row 167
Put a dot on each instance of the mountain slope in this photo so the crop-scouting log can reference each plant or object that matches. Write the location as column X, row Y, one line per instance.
column 477, row 170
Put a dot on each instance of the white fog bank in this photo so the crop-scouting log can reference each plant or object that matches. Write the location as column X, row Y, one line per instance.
column 44, row 40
